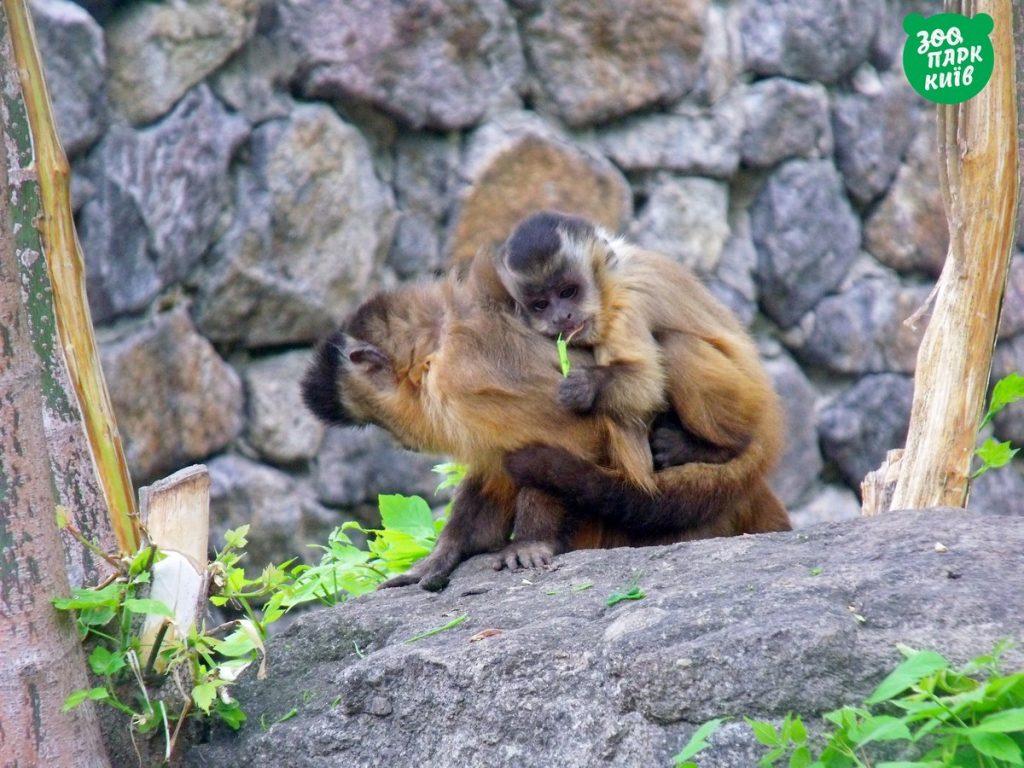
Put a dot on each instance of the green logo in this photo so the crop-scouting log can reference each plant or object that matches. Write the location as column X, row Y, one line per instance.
column 948, row 57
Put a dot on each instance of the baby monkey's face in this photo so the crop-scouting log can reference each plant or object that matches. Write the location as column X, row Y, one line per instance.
column 565, row 304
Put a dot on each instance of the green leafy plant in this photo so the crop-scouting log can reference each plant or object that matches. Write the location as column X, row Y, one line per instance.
column 994, row 453
column 932, row 715
column 208, row 661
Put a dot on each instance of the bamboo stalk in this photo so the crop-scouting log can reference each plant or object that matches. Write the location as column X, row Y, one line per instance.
column 979, row 164
column 67, row 275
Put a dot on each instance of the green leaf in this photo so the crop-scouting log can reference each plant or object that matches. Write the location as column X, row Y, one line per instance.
column 88, row 694
column 203, row 695
column 1007, row 721
column 148, row 606
column 406, row 514
column 771, row 757
column 698, row 741
column 452, row 472
column 235, row 538
column 766, row 733
column 801, row 758
column 108, row 596
column 997, row 745
column 919, row 665
column 103, row 662
column 231, row 713
column 1007, row 390
column 879, row 728
column 995, row 454
column 563, row 355
column 430, row 632
column 793, row 730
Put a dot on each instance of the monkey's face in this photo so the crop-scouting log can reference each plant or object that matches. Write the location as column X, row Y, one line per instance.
column 369, row 372
column 547, row 266
column 565, row 304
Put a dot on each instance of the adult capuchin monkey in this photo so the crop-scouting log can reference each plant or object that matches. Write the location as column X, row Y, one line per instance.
column 448, row 367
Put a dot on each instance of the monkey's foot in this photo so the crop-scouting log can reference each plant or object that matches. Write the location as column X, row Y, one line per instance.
column 525, row 554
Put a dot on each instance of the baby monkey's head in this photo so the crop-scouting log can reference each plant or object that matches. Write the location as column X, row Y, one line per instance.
column 549, row 265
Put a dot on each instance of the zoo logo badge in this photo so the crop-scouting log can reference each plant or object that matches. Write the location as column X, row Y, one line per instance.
column 948, row 57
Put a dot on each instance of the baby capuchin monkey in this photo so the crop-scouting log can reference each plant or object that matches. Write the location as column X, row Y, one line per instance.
column 662, row 344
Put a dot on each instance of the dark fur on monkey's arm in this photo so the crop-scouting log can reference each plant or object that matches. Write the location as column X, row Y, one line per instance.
column 683, row 508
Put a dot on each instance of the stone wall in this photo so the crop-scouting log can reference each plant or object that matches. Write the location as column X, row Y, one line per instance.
column 246, row 171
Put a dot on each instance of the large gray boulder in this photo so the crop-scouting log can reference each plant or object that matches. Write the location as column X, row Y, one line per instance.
column 158, row 197
column 599, row 59
column 542, row 672
column 807, row 237
column 440, row 64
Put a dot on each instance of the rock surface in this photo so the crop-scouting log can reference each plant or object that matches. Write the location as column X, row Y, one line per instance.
column 807, row 237
column 908, row 229
column 860, row 425
column 600, row 59
column 873, row 128
column 692, row 140
column 158, row 51
column 801, row 463
column 284, row 516
column 542, row 672
column 808, row 39
column 516, row 165
column 784, row 119
column 176, row 400
column 313, row 225
column 279, row 426
column 862, row 329
column 687, row 219
column 157, row 199
column 440, row 64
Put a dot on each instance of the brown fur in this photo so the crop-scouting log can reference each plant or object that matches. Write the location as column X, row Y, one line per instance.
column 446, row 367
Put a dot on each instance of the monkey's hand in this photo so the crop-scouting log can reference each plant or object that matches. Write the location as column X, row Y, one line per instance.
column 525, row 554
column 431, row 572
column 578, row 391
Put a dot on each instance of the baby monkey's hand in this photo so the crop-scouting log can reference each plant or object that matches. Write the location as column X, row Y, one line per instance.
column 578, row 391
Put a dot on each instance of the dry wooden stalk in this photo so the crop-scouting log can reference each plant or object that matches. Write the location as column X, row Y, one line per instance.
column 978, row 163
column 67, row 275
column 176, row 514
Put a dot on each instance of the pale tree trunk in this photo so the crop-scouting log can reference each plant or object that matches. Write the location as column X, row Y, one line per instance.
column 41, row 660
column 74, row 472
column 978, row 163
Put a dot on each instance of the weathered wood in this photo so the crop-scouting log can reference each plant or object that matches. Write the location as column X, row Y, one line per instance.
column 176, row 515
column 41, row 659
column 877, row 488
column 978, row 163
column 66, row 275
column 176, row 512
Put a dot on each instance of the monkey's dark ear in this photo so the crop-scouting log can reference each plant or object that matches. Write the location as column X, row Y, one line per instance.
column 367, row 356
